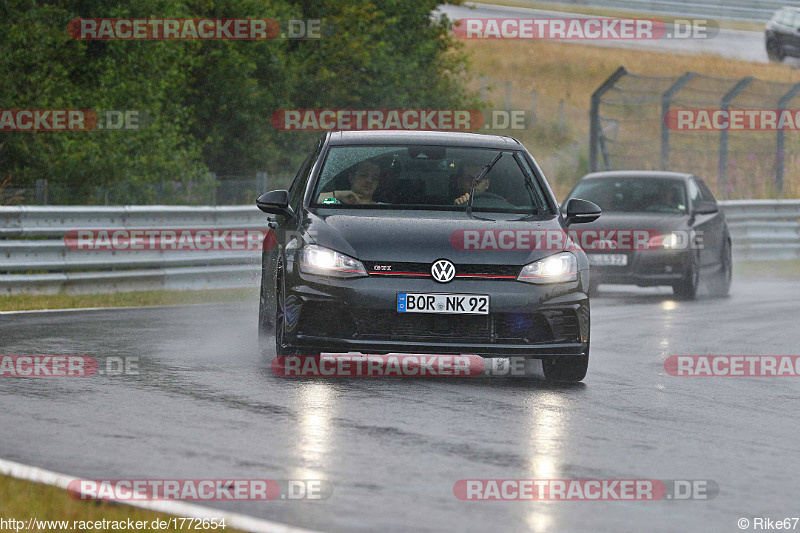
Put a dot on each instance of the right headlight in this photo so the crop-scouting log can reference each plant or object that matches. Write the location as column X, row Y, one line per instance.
column 557, row 268
column 323, row 261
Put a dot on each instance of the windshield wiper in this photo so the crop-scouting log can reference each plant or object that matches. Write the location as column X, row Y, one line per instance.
column 478, row 179
column 540, row 208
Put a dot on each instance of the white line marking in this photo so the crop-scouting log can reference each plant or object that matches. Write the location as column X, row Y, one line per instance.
column 188, row 510
column 119, row 308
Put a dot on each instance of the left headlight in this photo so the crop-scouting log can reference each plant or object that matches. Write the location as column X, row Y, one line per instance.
column 323, row 261
column 669, row 241
column 554, row 269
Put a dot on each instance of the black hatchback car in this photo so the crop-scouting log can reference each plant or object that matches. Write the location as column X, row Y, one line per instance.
column 782, row 34
column 658, row 228
column 379, row 250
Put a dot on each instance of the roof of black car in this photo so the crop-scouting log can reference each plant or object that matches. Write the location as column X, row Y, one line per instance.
column 646, row 174
column 431, row 138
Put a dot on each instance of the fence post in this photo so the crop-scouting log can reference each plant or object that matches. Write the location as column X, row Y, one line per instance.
column 780, row 141
column 561, row 121
column 666, row 101
column 594, row 117
column 261, row 182
column 533, row 109
column 508, row 96
column 483, row 87
column 725, row 104
column 213, row 176
column 41, row 191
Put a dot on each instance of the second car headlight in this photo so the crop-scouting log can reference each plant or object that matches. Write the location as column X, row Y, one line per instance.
column 326, row 262
column 669, row 241
column 554, row 269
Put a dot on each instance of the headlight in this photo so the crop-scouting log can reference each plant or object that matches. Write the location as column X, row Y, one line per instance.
column 324, row 262
column 554, row 269
column 670, row 241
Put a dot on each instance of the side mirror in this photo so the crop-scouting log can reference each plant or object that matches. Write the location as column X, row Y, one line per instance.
column 275, row 203
column 706, row 208
column 581, row 211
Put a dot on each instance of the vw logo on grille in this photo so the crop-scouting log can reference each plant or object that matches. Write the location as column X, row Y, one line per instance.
column 443, row 271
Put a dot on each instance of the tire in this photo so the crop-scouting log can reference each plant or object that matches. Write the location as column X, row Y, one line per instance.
column 720, row 283
column 265, row 326
column 686, row 288
column 282, row 349
column 565, row 368
column 775, row 52
column 593, row 289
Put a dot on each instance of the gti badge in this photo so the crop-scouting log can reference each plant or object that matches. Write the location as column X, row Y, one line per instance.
column 443, row 271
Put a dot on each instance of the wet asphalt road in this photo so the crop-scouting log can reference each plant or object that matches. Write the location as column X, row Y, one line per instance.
column 206, row 405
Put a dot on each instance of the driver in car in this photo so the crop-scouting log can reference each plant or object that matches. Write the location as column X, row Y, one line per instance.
column 667, row 198
column 364, row 182
column 463, row 183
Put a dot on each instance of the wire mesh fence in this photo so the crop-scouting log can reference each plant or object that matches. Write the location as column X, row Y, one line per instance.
column 740, row 135
column 554, row 130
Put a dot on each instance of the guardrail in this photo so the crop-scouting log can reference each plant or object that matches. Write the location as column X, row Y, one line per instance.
column 764, row 230
column 740, row 10
column 34, row 257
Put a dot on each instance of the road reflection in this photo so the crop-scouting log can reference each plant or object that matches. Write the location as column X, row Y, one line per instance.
column 548, row 416
column 316, row 405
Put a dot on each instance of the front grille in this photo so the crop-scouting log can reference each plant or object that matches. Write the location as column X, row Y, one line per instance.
column 424, row 269
column 326, row 319
column 413, row 326
column 498, row 328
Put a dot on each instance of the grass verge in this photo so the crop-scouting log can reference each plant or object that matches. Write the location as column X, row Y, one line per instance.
column 23, row 500
column 573, row 71
column 27, row 302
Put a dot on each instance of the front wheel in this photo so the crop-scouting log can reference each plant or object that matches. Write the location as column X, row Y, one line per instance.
column 686, row 288
column 775, row 52
column 282, row 349
column 569, row 368
column 720, row 283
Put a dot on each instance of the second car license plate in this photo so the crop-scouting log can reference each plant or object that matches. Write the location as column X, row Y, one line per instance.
column 608, row 259
column 461, row 304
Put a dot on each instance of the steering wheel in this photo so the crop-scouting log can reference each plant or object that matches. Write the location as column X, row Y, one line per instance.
column 488, row 196
column 490, row 200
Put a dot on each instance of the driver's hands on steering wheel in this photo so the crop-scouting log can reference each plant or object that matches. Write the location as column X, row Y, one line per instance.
column 464, row 198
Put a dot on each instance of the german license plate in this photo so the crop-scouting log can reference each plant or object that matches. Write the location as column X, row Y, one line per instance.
column 608, row 259
column 454, row 304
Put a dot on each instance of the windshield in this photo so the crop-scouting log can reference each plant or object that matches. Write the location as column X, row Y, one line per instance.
column 427, row 177
column 634, row 195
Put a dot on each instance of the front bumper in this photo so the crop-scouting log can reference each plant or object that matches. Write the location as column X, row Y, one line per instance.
column 645, row 268
column 360, row 315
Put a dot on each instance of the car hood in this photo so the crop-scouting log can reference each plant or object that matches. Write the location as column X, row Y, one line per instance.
column 418, row 236
column 636, row 221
